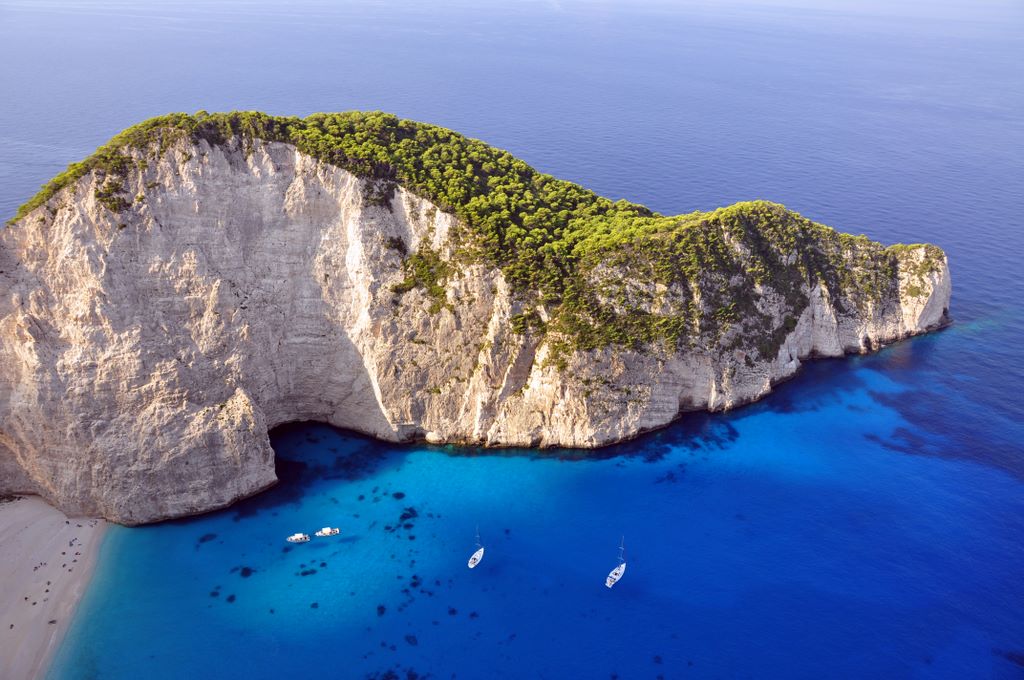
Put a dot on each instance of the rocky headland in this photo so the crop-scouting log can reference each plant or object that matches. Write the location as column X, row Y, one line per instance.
column 202, row 279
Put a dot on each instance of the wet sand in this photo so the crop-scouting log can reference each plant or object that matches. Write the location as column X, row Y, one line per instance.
column 46, row 560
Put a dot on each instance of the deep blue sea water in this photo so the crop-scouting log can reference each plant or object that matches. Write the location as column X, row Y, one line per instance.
column 865, row 521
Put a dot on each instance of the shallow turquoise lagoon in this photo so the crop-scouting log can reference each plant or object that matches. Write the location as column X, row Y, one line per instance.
column 795, row 538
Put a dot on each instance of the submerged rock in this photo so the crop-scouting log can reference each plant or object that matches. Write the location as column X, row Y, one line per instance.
column 195, row 283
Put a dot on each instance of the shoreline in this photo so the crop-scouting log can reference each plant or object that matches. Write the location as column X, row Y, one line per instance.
column 46, row 563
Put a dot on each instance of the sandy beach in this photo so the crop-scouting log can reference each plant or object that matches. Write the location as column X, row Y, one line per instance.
column 46, row 560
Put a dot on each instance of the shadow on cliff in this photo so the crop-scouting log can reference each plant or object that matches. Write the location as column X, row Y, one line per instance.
column 822, row 382
column 308, row 452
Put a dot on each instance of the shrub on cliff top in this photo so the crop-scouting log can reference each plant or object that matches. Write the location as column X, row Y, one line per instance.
column 548, row 236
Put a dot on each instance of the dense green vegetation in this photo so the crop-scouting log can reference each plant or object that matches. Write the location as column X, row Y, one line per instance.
column 426, row 269
column 606, row 272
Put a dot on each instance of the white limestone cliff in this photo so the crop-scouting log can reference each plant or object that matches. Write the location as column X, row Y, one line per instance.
column 144, row 356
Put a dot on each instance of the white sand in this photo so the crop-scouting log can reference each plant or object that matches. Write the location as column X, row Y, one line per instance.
column 46, row 561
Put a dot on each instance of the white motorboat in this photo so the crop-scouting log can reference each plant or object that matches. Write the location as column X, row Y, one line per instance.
column 328, row 531
column 617, row 572
column 298, row 538
column 475, row 558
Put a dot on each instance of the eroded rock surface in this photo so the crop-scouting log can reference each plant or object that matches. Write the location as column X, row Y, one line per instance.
column 145, row 354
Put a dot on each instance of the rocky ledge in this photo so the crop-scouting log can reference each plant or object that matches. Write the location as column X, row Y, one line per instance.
column 204, row 278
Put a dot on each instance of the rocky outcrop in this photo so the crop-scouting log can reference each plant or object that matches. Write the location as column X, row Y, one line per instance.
column 145, row 352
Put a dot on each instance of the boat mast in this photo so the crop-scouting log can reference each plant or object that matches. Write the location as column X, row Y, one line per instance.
column 478, row 536
column 622, row 550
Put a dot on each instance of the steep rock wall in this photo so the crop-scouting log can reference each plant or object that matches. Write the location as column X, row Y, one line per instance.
column 145, row 354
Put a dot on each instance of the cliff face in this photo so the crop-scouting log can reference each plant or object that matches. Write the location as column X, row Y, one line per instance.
column 145, row 352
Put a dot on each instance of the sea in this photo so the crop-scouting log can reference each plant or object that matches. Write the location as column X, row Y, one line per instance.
column 866, row 520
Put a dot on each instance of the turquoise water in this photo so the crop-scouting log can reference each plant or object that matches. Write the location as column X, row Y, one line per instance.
column 866, row 520
column 790, row 539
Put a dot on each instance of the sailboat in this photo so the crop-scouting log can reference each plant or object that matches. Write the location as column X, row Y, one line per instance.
column 618, row 571
column 479, row 554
